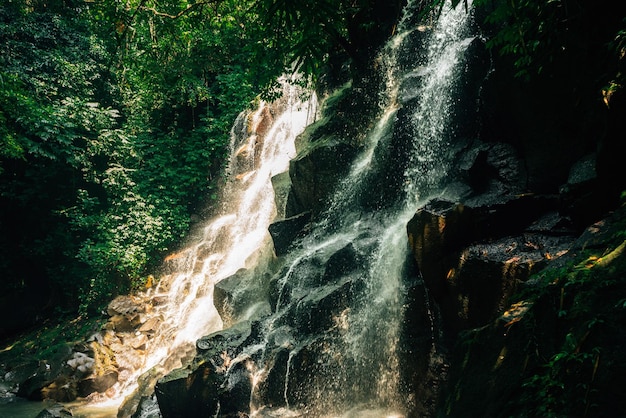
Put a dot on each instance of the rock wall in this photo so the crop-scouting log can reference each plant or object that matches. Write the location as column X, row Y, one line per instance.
column 529, row 174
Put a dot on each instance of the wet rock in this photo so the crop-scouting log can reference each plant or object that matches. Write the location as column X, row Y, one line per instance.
column 188, row 392
column 63, row 389
column 487, row 275
column 436, row 234
column 99, row 383
column 240, row 297
column 552, row 223
column 271, row 389
column 317, row 288
column 281, row 183
column 492, row 169
column 119, row 323
column 55, row 411
column 411, row 84
column 138, row 404
column 137, row 342
column 51, row 368
column 104, row 370
column 226, row 292
column 315, row 369
column 158, row 300
column 81, row 363
column 235, row 390
column 565, row 327
column 316, row 311
column 286, row 231
column 421, row 353
column 582, row 194
column 204, row 387
column 343, row 262
column 12, row 375
column 148, row 408
column 472, row 257
column 124, row 305
column 225, row 340
column 315, row 172
column 150, row 326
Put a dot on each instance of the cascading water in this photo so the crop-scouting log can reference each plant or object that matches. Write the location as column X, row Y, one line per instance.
column 431, row 121
column 180, row 309
column 328, row 342
column 331, row 345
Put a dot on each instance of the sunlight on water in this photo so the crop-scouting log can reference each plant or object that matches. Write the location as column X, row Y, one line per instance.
column 431, row 125
column 366, row 370
column 229, row 242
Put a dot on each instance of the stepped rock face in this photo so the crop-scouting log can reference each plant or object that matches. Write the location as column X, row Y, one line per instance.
column 504, row 215
column 471, row 264
column 562, row 333
column 472, row 249
column 222, row 374
column 327, row 148
column 199, row 389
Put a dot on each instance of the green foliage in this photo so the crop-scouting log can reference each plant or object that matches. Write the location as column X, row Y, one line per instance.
column 304, row 36
column 115, row 123
column 586, row 298
column 50, row 121
column 564, row 384
column 533, row 33
column 308, row 28
column 540, row 36
column 530, row 31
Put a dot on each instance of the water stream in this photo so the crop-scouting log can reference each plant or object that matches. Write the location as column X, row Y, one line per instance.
column 357, row 370
column 180, row 307
column 356, row 367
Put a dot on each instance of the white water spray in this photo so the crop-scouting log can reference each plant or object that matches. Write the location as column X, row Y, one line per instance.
column 180, row 308
column 364, row 362
column 361, row 373
column 431, row 121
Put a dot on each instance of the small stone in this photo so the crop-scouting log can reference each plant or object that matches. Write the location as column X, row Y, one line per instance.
column 150, row 325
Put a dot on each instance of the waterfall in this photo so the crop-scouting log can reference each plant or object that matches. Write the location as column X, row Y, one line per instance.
column 328, row 341
column 331, row 345
column 431, row 120
column 180, row 308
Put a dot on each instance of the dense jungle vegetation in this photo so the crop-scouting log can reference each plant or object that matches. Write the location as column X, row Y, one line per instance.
column 115, row 118
column 114, row 130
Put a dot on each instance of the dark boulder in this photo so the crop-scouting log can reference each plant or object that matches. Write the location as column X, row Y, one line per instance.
column 207, row 385
column 227, row 293
column 51, row 368
column 285, row 232
column 98, row 383
column 281, row 184
column 188, row 392
column 557, row 346
column 491, row 169
column 241, row 296
column 584, row 194
column 315, row 172
column 55, row 411
column 472, row 257
column 326, row 149
column 488, row 274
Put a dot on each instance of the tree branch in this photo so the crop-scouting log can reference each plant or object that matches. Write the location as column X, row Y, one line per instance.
column 182, row 12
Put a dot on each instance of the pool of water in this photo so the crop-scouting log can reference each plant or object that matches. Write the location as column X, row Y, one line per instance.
column 21, row 408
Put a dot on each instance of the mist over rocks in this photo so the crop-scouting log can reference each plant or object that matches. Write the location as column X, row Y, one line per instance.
column 426, row 284
column 497, row 223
